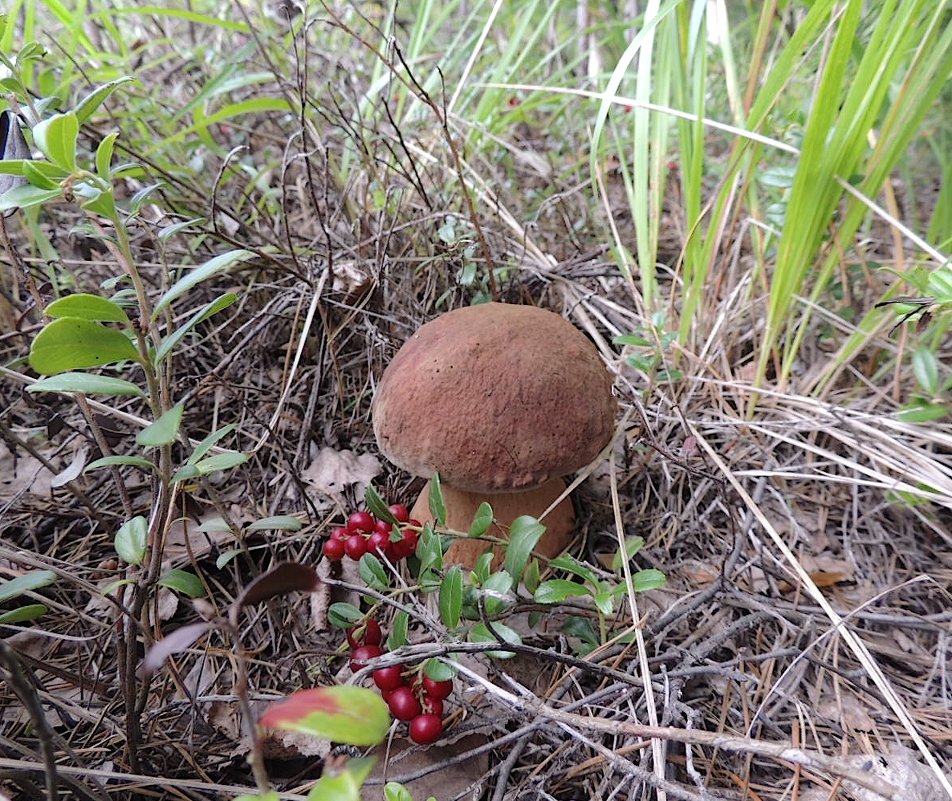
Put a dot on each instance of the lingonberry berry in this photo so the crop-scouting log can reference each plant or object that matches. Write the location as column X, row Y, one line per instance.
column 431, row 706
column 399, row 511
column 426, row 729
column 361, row 521
column 403, row 704
column 359, row 656
column 406, row 546
column 340, row 533
column 438, row 690
column 367, row 634
column 334, row 550
column 355, row 546
column 383, row 526
column 379, row 544
column 388, row 678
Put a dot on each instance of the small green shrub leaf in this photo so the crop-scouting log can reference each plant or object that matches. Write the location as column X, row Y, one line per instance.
column 104, row 155
column 626, row 554
column 88, row 307
column 163, row 431
column 482, row 520
column 398, row 631
column 429, row 550
column 220, row 461
column 555, row 591
column 436, row 502
column 184, row 582
column 345, row 714
column 208, row 442
column 171, row 342
column 191, row 279
column 372, row 572
column 27, row 196
column 524, row 534
column 86, row 107
column 439, row 670
column 34, row 580
column 86, row 383
column 119, row 461
column 377, row 505
column 343, row 615
column 645, row 580
column 451, row 596
column 214, row 525
column 56, row 138
column 23, row 614
column 71, row 343
column 131, row 540
column 278, row 523
column 392, row 791
column 926, row 369
column 480, row 633
column 572, row 565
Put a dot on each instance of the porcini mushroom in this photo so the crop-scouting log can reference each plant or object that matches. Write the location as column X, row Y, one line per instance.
column 502, row 401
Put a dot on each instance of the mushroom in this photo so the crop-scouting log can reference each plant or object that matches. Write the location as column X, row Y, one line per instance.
column 501, row 401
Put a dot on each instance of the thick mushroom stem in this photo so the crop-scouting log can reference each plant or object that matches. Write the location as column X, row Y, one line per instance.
column 461, row 507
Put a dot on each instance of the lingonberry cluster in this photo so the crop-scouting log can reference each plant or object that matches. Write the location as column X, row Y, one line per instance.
column 411, row 698
column 364, row 533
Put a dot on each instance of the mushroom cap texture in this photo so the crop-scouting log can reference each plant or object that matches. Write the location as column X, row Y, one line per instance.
column 496, row 398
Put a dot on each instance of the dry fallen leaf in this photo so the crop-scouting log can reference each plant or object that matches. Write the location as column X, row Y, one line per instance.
column 332, row 471
column 900, row 768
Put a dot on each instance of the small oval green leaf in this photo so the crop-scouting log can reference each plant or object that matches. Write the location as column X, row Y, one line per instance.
column 436, row 502
column 524, row 534
column 278, row 523
column 56, row 138
column 184, row 582
column 451, row 596
column 163, row 431
column 372, row 572
column 482, row 520
column 650, row 579
column 86, row 383
column 34, row 580
column 87, row 307
column 200, row 274
column 343, row 615
column 398, row 632
column 71, row 343
column 23, row 614
column 344, row 714
column 119, row 461
column 131, row 540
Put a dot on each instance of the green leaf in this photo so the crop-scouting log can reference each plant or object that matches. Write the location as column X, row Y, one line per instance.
column 98, row 201
column 398, row 631
column 650, row 579
column 496, row 589
column 86, row 383
column 524, row 534
column 220, row 461
column 23, row 614
column 87, row 307
column 184, row 582
column 336, row 787
column 208, row 442
column 429, row 550
column 34, row 580
column 278, row 523
column 572, row 565
column 555, row 591
column 163, row 431
column 372, row 572
column 926, row 369
column 226, row 556
column 44, row 175
column 270, row 796
column 25, row 197
column 344, row 615
column 922, row 411
column 480, row 633
column 72, row 343
column 56, row 139
column 215, row 525
column 104, row 155
column 171, row 342
column 396, row 792
column 482, row 520
column 191, row 279
column 345, row 714
column 604, row 600
column 626, row 554
column 119, row 461
column 377, row 505
column 86, row 107
column 482, row 567
column 532, row 576
column 436, row 502
column 451, row 596
column 131, row 540
column 438, row 670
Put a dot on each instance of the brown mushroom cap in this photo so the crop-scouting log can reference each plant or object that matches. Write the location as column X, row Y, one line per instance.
column 496, row 398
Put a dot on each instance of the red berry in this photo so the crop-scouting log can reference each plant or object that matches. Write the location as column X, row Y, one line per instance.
column 334, row 550
column 359, row 656
column 388, row 678
column 379, row 544
column 432, row 706
column 437, row 690
column 426, row 729
column 399, row 511
column 356, row 546
column 372, row 634
column 340, row 534
column 406, row 546
column 361, row 521
column 403, row 703
column 383, row 526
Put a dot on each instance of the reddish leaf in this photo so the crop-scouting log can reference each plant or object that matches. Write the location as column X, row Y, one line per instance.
column 281, row 580
column 345, row 714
